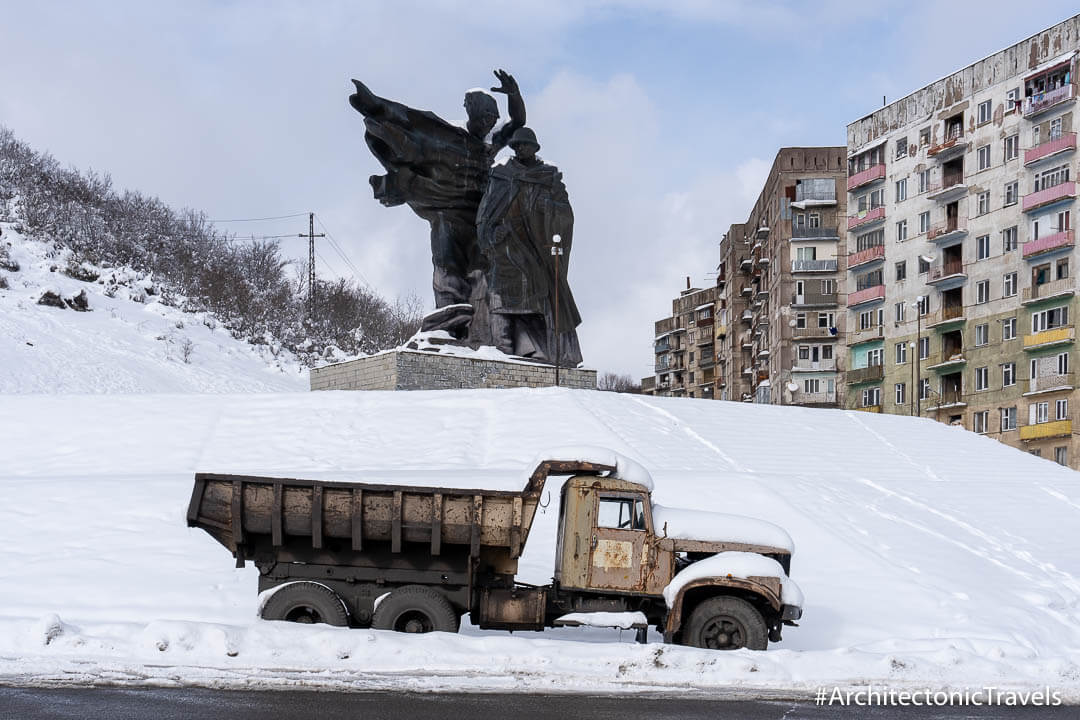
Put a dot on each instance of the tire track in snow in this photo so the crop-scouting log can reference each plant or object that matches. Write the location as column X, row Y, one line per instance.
column 693, row 434
column 854, row 416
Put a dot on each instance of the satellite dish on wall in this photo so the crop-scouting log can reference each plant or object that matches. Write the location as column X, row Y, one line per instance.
column 792, row 386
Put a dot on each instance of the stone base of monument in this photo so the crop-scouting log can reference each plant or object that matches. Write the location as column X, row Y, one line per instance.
column 440, row 366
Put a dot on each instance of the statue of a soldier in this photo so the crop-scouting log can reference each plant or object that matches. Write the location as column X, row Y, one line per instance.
column 532, row 312
column 441, row 172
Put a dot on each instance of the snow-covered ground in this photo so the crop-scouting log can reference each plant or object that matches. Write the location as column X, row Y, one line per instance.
column 128, row 343
column 928, row 555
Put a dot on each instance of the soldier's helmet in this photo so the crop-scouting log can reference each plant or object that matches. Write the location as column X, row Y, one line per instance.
column 524, row 136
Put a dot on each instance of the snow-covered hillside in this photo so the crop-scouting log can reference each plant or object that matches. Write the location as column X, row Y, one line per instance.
column 929, row 556
column 128, row 342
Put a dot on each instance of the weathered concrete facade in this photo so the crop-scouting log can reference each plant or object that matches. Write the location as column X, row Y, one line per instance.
column 418, row 370
column 684, row 347
column 961, row 241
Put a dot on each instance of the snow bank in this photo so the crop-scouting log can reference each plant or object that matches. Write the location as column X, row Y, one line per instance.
column 735, row 564
column 621, row 620
column 684, row 524
column 930, row 556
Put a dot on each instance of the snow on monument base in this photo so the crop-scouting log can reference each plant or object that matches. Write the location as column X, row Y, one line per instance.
column 425, row 370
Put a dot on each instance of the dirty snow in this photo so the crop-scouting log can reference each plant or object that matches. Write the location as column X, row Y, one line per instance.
column 930, row 556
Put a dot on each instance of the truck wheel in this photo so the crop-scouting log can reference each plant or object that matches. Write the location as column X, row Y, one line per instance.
column 306, row 602
column 415, row 609
column 725, row 623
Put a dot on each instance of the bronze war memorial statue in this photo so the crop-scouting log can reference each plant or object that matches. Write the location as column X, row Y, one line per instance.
column 493, row 229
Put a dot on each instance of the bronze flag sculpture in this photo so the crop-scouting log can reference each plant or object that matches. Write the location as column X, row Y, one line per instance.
column 499, row 291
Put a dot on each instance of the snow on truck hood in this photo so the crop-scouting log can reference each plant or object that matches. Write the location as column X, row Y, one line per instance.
column 736, row 564
column 718, row 527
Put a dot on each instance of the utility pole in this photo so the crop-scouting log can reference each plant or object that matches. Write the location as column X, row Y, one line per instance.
column 557, row 251
column 311, row 263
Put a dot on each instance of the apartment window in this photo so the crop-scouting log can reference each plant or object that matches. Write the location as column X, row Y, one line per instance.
column 982, row 335
column 982, row 247
column 1062, row 268
column 982, row 292
column 923, row 302
column 875, row 357
column 1012, row 100
column 1050, row 178
column 1063, row 363
column 984, row 157
column 984, row 202
column 1062, row 407
column 1012, row 147
column 984, row 112
column 924, row 388
column 1039, row 413
column 901, row 231
column 924, row 181
column 901, row 393
column 924, row 222
column 1008, row 282
column 800, row 320
column 898, row 312
column 826, row 352
column 806, row 253
column 1055, row 128
column 869, row 240
column 924, row 348
column 1008, row 374
column 924, row 136
column 814, row 220
column 924, row 266
column 901, row 148
column 1061, row 455
column 828, row 287
column 1008, row 329
column 1036, row 452
column 1008, row 239
column 1008, row 418
column 798, row 220
column 901, row 190
column 980, row 421
column 982, row 378
column 866, row 320
column 705, row 314
column 1049, row 319
column 871, row 397
column 1035, row 132
column 1012, row 193
column 901, row 353
column 826, row 320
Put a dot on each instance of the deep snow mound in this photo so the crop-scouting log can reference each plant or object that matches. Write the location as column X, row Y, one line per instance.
column 125, row 340
column 928, row 555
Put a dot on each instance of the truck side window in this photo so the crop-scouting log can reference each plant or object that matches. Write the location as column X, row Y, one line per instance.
column 621, row 514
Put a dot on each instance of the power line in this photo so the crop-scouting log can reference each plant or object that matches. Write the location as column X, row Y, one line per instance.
column 341, row 253
column 275, row 217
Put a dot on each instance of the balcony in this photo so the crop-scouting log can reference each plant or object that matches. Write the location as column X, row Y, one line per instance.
column 1038, row 104
column 1049, row 243
column 945, row 316
column 1048, row 291
column 948, row 189
column 1051, row 148
column 814, row 398
column 865, row 219
column 1046, row 383
column 946, row 232
column 814, row 197
column 662, row 367
column 867, row 335
column 812, row 366
column 869, row 408
column 870, row 175
column 1050, row 195
column 762, row 232
column 814, row 299
column 951, row 272
column 746, row 316
column 1049, row 338
column 866, row 295
column 949, row 398
column 814, row 233
column 813, row 266
column 947, row 360
column 861, row 376
column 953, row 147
column 721, row 330
column 821, row 333
column 746, row 264
column 747, row 290
column 1039, row 431
column 875, row 253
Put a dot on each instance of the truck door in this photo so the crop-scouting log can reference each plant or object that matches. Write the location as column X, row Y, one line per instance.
column 617, row 543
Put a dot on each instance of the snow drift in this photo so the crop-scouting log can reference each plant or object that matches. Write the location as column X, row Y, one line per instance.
column 929, row 556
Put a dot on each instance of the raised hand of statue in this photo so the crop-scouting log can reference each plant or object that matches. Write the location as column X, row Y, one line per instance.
column 509, row 86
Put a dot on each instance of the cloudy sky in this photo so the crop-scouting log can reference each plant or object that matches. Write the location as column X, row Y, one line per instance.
column 663, row 115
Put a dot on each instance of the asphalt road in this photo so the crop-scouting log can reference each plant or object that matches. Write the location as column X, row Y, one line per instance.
column 194, row 704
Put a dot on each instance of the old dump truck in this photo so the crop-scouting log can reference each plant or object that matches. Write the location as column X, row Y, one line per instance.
column 415, row 559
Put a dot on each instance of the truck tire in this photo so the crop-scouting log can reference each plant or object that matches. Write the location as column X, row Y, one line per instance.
column 306, row 602
column 725, row 623
column 415, row 609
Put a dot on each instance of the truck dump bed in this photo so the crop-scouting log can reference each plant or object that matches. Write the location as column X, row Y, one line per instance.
column 249, row 514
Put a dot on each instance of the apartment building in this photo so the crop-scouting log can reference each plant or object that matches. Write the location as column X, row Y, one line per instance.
column 776, row 315
column 962, row 300
column 684, row 347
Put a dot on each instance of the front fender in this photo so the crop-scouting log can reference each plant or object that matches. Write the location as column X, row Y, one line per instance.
column 766, row 588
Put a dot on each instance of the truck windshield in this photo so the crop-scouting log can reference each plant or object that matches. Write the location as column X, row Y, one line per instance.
column 621, row 513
